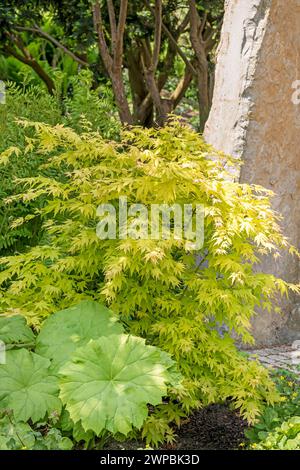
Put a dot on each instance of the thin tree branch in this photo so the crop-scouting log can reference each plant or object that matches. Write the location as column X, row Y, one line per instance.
column 113, row 25
column 35, row 66
column 195, row 271
column 98, row 24
column 178, row 48
column 197, row 42
column 149, row 75
column 161, row 80
column 17, row 40
column 36, row 29
column 173, row 41
column 203, row 23
column 209, row 42
column 194, row 20
column 181, row 88
column 157, row 33
column 183, row 25
column 118, row 59
column 113, row 63
column 146, row 52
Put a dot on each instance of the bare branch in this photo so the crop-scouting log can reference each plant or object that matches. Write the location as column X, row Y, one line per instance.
column 120, row 34
column 173, row 41
column 181, row 88
column 113, row 25
column 196, row 40
column 209, row 40
column 98, row 25
column 157, row 32
column 183, row 25
column 146, row 49
column 28, row 60
column 203, row 23
column 17, row 40
column 113, row 63
column 149, row 75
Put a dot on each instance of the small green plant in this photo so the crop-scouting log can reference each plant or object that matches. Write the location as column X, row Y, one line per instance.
column 14, row 332
column 27, row 386
column 284, row 437
column 16, row 435
column 92, row 386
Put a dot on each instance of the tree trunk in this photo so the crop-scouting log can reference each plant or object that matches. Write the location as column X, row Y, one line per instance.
column 203, row 92
column 254, row 118
column 142, row 114
column 121, row 99
column 113, row 60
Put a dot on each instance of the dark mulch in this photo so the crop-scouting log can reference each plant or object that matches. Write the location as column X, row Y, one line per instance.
column 214, row 427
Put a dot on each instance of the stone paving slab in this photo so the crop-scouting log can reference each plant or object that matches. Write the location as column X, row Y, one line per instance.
column 280, row 357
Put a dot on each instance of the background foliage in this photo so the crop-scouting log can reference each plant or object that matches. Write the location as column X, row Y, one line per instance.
column 86, row 109
column 149, row 52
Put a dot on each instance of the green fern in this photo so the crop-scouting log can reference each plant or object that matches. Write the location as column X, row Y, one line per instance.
column 85, row 109
column 91, row 110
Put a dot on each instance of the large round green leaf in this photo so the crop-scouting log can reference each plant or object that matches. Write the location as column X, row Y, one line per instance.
column 68, row 329
column 109, row 382
column 27, row 387
column 14, row 331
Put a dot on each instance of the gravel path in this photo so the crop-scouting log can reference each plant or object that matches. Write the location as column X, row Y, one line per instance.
column 280, row 357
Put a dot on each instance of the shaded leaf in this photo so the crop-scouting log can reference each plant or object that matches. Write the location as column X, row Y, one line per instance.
column 14, row 331
column 27, row 387
column 15, row 436
column 68, row 329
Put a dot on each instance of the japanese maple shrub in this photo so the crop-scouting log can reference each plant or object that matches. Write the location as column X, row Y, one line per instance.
column 80, row 379
column 159, row 289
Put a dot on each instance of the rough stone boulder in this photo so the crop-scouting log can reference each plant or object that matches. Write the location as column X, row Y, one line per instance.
column 255, row 116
